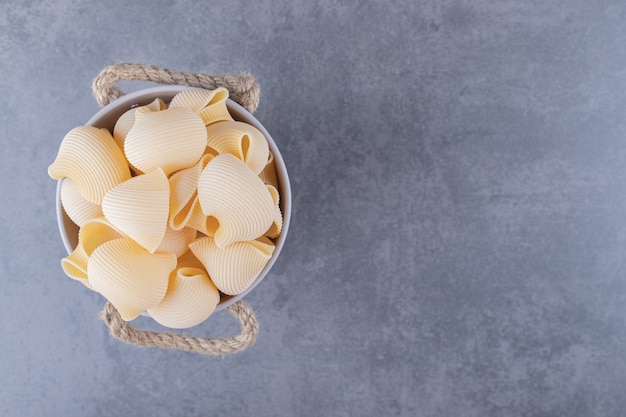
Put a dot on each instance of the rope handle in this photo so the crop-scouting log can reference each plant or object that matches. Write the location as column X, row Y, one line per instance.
column 164, row 340
column 243, row 89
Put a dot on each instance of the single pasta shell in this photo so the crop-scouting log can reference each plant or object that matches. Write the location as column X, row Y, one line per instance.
column 130, row 277
column 177, row 241
column 190, row 299
column 78, row 209
column 183, row 192
column 268, row 175
column 75, row 265
column 127, row 120
column 229, row 191
column 244, row 141
column 197, row 220
column 196, row 99
column 170, row 139
column 90, row 157
column 233, row 268
column 277, row 225
column 139, row 207
column 96, row 232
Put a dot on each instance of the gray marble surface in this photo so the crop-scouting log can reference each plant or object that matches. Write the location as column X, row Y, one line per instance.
column 458, row 239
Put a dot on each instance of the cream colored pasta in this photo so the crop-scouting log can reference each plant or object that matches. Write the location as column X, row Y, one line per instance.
column 95, row 232
column 78, row 209
column 90, row 157
column 268, row 175
column 277, row 225
column 176, row 241
column 189, row 260
column 139, row 207
column 209, row 104
column 127, row 120
column 170, row 139
column 199, row 221
column 190, row 299
column 244, row 141
column 75, row 265
column 233, row 268
column 183, row 192
column 130, row 277
column 229, row 191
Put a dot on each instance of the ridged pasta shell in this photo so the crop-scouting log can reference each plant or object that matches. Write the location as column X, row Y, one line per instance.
column 77, row 208
column 130, row 277
column 243, row 140
column 237, row 198
column 75, row 265
column 183, row 192
column 200, row 222
column 190, row 299
column 127, row 120
column 90, row 157
column 209, row 104
column 91, row 235
column 177, row 241
column 170, row 139
column 277, row 225
column 139, row 207
column 96, row 232
column 268, row 174
column 234, row 268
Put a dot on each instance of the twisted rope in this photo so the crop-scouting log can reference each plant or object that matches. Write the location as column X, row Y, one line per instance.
column 128, row 334
column 243, row 89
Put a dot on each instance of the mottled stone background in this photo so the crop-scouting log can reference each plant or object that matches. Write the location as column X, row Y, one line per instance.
column 458, row 240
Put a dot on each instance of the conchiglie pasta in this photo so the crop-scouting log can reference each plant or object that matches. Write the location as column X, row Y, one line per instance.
column 277, row 225
column 139, row 207
column 183, row 192
column 229, row 191
column 127, row 120
column 210, row 105
column 130, row 277
column 190, row 299
column 78, row 209
column 75, row 265
column 233, row 268
column 244, row 141
column 170, row 139
column 268, row 174
column 90, row 157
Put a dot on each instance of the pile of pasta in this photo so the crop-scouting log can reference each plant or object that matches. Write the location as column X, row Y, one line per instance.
column 178, row 205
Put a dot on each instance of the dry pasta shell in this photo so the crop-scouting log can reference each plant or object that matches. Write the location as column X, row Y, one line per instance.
column 268, row 175
column 277, row 225
column 183, row 192
column 210, row 105
column 139, row 207
column 190, row 299
column 177, row 241
column 78, row 209
column 243, row 140
column 233, row 268
column 127, row 120
column 130, row 277
column 171, row 139
column 90, row 157
column 229, row 191
column 75, row 265
column 199, row 221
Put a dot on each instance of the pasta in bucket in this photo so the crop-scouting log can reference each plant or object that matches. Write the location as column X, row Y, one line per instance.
column 172, row 202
